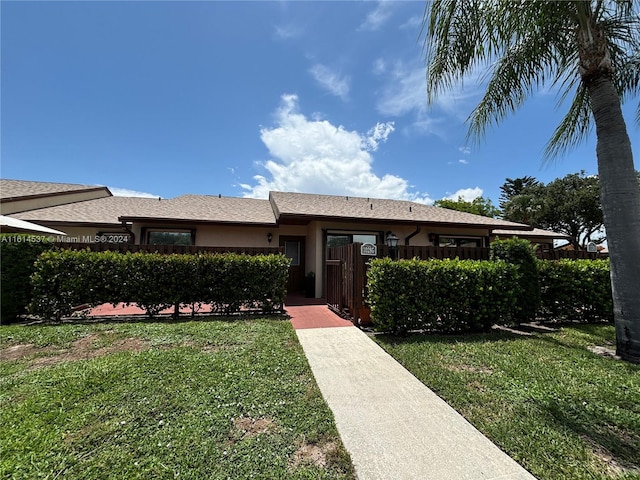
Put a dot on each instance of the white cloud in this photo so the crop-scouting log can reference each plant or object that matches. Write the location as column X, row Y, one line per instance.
column 378, row 17
column 286, row 32
column 404, row 93
column 315, row 156
column 379, row 133
column 331, row 81
column 413, row 22
column 467, row 194
column 463, row 161
column 379, row 66
column 125, row 192
column 464, row 150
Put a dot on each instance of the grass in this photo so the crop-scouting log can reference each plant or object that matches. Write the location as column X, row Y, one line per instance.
column 210, row 399
column 560, row 410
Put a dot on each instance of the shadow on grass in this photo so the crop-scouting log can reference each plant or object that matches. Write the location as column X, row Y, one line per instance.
column 439, row 338
column 145, row 319
column 602, row 433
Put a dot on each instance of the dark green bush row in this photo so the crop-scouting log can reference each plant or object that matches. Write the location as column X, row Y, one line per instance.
column 576, row 290
column 230, row 282
column 469, row 295
column 440, row 295
column 18, row 253
column 519, row 252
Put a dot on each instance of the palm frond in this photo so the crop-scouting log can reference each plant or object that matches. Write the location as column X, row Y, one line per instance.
column 574, row 127
column 522, row 45
column 522, row 69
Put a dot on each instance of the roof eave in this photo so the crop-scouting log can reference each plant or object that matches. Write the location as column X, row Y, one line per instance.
column 63, row 223
column 304, row 218
column 160, row 220
column 55, row 194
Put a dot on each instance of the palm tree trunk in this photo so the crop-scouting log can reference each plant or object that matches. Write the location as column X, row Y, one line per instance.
column 620, row 197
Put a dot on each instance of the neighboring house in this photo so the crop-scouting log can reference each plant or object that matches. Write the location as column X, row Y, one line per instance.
column 303, row 224
column 21, row 196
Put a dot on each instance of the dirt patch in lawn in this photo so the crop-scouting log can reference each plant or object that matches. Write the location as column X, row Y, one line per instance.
column 248, row 427
column 603, row 351
column 615, row 466
column 18, row 352
column 314, row 454
column 468, row 368
column 253, row 426
column 84, row 348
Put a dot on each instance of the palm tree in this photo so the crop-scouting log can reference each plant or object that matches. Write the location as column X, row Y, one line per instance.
column 590, row 50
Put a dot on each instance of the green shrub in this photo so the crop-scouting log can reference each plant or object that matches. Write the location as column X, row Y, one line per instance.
column 576, row 290
column 520, row 253
column 230, row 282
column 18, row 253
column 440, row 295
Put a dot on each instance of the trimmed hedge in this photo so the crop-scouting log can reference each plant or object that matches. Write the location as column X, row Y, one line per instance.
column 448, row 295
column 18, row 253
column 575, row 290
column 230, row 282
column 470, row 295
column 519, row 252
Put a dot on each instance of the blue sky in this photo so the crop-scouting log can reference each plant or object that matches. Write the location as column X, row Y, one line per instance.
column 239, row 98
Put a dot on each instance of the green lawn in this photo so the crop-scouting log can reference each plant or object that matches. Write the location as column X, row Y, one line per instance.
column 211, row 399
column 560, row 410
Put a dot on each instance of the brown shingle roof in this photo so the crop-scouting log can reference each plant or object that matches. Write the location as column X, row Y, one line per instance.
column 209, row 208
column 193, row 208
column 280, row 206
column 19, row 189
column 98, row 211
column 300, row 205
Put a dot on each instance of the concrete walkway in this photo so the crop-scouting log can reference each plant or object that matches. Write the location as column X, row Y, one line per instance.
column 393, row 426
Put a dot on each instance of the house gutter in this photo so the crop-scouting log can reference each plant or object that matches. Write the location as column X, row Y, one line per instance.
column 130, row 232
column 411, row 235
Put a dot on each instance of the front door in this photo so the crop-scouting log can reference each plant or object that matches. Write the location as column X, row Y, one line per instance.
column 294, row 250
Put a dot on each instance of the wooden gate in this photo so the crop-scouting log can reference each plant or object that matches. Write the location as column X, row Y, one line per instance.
column 346, row 276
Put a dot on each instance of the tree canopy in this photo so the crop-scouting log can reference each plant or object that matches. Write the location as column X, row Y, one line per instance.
column 569, row 205
column 478, row 206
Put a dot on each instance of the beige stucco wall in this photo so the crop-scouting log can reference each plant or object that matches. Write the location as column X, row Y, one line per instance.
column 218, row 235
column 49, row 201
column 225, row 236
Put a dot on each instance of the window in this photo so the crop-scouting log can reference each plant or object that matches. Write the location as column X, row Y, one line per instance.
column 365, row 239
column 292, row 251
column 170, row 237
column 465, row 242
column 337, row 239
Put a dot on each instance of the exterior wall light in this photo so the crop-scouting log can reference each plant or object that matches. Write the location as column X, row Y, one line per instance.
column 392, row 243
column 269, row 237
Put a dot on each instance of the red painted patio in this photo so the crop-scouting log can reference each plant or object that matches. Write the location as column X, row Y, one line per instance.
column 304, row 312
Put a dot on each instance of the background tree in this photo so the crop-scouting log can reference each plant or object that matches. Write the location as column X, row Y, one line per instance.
column 572, row 206
column 522, row 200
column 478, row 206
column 516, row 186
column 569, row 205
column 591, row 50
